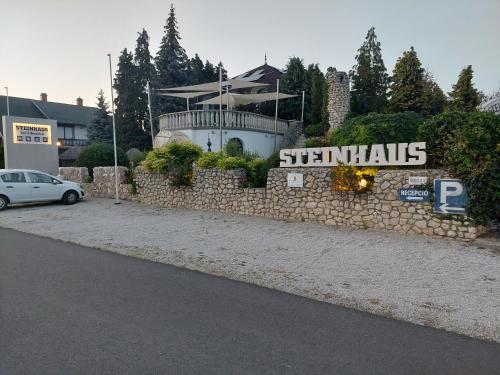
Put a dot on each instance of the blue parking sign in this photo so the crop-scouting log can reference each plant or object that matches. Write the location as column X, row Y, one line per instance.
column 450, row 196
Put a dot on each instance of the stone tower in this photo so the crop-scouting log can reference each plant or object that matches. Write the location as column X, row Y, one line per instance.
column 338, row 96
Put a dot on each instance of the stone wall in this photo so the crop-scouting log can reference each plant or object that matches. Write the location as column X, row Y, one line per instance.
column 317, row 202
column 339, row 96
column 74, row 174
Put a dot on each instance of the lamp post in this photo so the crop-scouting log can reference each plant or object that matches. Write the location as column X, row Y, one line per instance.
column 303, row 100
column 117, row 196
column 7, row 97
column 276, row 112
column 148, row 87
column 220, row 104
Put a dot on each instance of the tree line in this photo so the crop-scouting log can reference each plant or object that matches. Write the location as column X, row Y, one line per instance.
column 409, row 88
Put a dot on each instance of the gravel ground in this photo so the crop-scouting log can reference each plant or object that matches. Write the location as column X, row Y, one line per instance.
column 433, row 282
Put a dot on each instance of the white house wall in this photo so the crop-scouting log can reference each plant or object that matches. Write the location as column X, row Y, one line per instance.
column 260, row 142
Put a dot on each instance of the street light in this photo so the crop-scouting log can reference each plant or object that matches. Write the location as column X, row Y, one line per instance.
column 7, row 97
column 117, row 197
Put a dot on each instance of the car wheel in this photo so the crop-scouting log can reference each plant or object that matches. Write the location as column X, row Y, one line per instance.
column 4, row 202
column 70, row 197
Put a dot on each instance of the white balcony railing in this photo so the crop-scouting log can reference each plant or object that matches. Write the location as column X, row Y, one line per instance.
column 230, row 120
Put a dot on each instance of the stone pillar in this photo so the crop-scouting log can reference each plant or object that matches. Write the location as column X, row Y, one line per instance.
column 338, row 96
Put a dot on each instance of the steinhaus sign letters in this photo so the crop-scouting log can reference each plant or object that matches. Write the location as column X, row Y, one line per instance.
column 374, row 155
column 31, row 133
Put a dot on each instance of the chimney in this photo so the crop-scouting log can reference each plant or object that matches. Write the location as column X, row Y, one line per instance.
column 79, row 102
column 43, row 97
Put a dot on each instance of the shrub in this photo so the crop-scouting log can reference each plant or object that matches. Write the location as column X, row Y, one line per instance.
column 257, row 173
column 231, row 162
column 100, row 155
column 467, row 145
column 210, row 159
column 135, row 157
column 376, row 128
column 174, row 159
column 314, row 142
column 316, row 130
column 234, row 147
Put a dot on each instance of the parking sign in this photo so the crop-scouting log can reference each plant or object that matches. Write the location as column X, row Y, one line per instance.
column 450, row 196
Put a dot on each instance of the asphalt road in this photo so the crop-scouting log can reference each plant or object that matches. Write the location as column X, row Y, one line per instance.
column 67, row 309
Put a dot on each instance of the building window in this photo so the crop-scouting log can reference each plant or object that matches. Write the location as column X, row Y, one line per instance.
column 69, row 132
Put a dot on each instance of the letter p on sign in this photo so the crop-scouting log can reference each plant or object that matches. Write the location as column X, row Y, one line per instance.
column 450, row 196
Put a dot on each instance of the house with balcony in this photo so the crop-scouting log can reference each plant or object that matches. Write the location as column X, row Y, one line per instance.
column 72, row 120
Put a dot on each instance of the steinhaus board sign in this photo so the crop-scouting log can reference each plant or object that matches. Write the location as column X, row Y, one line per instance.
column 31, row 133
column 374, row 155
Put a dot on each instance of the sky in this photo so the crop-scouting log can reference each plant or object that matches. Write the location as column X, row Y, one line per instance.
column 60, row 46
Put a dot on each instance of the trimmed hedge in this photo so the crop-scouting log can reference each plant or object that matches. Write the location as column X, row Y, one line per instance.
column 100, row 155
column 376, row 128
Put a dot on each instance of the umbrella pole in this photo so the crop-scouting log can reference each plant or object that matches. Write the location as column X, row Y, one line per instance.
column 276, row 112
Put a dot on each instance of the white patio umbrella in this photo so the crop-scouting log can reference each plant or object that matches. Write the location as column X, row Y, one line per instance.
column 186, row 95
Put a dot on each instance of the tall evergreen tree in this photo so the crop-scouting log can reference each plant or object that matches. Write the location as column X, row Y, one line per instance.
column 369, row 78
column 144, row 71
column 196, row 72
column 464, row 96
column 172, row 65
column 129, row 131
column 317, row 111
column 433, row 95
column 407, row 85
column 210, row 72
column 293, row 81
column 100, row 129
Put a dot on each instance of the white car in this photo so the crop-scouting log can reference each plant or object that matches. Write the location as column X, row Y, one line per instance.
column 25, row 186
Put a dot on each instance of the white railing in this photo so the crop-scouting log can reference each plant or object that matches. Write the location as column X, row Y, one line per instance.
column 230, row 119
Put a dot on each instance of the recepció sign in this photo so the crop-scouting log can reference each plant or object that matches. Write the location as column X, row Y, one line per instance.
column 363, row 155
column 31, row 133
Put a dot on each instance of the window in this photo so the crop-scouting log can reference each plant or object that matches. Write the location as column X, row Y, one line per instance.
column 69, row 132
column 14, row 177
column 38, row 178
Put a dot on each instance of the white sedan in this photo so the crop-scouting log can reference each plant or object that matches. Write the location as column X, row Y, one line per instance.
column 25, row 186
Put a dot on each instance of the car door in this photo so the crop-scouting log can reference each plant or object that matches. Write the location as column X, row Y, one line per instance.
column 16, row 187
column 44, row 187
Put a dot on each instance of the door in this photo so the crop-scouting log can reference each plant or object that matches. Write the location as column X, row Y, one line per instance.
column 15, row 186
column 44, row 187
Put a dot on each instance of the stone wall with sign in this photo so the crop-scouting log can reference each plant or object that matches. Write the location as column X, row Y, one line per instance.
column 314, row 202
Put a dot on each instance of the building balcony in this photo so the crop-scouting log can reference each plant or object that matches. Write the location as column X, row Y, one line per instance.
column 209, row 119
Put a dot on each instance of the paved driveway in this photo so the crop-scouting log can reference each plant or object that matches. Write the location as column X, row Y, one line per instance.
column 66, row 309
column 434, row 282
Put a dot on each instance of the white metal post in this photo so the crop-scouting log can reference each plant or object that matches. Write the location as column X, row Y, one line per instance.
column 117, row 196
column 148, row 86
column 220, row 105
column 303, row 100
column 7, row 97
column 276, row 112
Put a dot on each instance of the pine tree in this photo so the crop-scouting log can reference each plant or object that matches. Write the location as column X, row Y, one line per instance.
column 369, row 78
column 293, row 81
column 196, row 72
column 172, row 65
column 129, row 131
column 317, row 111
column 464, row 96
column 210, row 72
column 100, row 129
column 433, row 95
column 407, row 85
column 144, row 72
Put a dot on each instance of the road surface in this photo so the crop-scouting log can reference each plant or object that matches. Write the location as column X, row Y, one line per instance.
column 65, row 309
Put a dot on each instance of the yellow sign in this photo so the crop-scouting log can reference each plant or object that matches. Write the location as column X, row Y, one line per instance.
column 31, row 133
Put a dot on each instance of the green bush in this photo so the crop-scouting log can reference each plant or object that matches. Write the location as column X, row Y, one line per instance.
column 314, row 142
column 135, row 157
column 2, row 162
column 376, row 128
column 100, row 155
column 316, row 130
column 174, row 159
column 210, row 159
column 467, row 145
column 231, row 162
column 233, row 148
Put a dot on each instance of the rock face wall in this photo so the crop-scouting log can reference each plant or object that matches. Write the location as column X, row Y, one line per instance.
column 74, row 174
column 219, row 190
column 339, row 96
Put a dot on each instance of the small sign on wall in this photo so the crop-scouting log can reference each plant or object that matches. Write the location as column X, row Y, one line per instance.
column 417, row 180
column 413, row 195
column 295, row 180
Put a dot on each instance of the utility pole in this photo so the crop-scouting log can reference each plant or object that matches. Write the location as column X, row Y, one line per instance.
column 148, row 86
column 8, row 106
column 276, row 112
column 220, row 105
